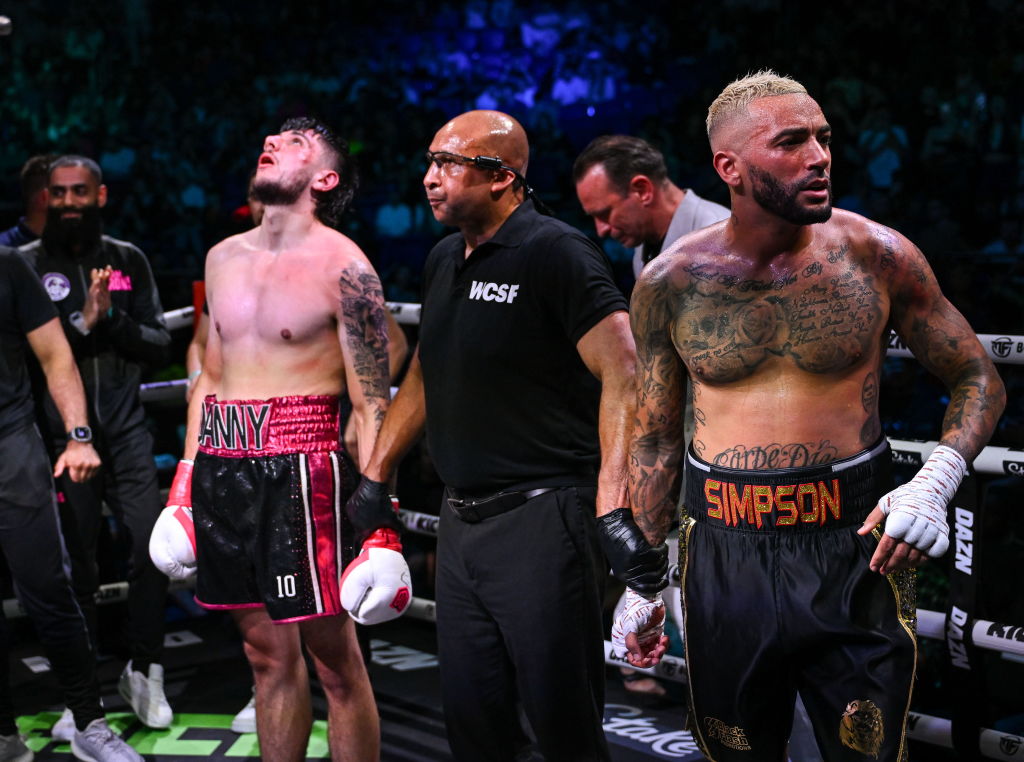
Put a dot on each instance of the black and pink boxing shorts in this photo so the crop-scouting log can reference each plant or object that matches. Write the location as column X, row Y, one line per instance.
column 268, row 496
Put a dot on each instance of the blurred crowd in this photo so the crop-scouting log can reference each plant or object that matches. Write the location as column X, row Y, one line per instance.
column 173, row 100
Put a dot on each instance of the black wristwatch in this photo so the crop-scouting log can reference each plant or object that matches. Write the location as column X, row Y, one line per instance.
column 80, row 434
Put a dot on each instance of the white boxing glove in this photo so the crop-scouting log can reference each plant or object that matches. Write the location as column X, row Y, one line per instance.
column 172, row 544
column 916, row 511
column 644, row 616
column 375, row 587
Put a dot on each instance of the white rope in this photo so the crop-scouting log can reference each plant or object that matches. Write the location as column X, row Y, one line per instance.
column 1001, row 347
column 158, row 391
column 991, row 460
column 938, row 731
column 420, row 523
column 993, row 636
column 180, row 318
column 185, row 316
column 405, row 313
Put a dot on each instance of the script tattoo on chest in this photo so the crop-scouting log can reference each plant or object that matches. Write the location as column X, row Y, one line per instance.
column 825, row 319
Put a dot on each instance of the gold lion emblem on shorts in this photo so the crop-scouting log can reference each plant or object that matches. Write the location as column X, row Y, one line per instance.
column 861, row 727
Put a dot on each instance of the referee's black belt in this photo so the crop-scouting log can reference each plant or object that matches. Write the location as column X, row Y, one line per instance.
column 475, row 509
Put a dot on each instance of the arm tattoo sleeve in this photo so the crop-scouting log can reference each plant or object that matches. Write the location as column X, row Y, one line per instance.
column 366, row 333
column 655, row 450
column 943, row 341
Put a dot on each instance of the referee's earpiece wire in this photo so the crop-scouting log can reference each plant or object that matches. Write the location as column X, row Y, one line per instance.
column 496, row 164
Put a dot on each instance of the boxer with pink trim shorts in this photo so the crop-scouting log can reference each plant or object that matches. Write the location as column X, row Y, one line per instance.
column 268, row 495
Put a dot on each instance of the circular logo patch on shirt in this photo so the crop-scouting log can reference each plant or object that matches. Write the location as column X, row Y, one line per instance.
column 57, row 286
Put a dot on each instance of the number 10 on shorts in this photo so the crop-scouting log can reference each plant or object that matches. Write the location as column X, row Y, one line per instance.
column 286, row 586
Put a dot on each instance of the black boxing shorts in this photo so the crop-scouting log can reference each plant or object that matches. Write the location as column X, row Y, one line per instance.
column 268, row 495
column 778, row 599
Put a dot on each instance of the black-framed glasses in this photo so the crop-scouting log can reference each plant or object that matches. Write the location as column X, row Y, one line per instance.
column 442, row 159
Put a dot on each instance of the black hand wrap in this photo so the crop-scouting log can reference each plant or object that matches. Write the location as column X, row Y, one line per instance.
column 370, row 508
column 643, row 567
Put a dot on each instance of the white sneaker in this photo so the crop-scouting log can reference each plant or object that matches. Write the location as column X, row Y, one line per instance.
column 98, row 743
column 64, row 729
column 245, row 720
column 145, row 695
column 13, row 749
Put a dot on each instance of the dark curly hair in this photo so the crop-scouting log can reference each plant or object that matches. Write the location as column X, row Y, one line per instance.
column 330, row 205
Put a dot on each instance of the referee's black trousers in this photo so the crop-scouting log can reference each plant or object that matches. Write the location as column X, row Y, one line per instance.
column 519, row 599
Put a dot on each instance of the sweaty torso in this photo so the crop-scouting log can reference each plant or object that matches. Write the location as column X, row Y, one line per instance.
column 785, row 355
column 276, row 316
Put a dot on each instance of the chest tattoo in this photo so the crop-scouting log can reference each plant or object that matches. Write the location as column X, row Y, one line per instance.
column 825, row 319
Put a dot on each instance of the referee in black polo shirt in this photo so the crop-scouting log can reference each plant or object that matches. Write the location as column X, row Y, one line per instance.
column 524, row 381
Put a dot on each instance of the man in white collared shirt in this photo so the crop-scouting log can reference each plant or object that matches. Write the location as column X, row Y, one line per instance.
column 622, row 183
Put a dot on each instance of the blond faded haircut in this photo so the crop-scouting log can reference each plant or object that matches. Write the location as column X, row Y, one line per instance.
column 737, row 95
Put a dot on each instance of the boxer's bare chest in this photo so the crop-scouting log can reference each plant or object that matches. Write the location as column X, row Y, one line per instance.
column 825, row 315
column 272, row 300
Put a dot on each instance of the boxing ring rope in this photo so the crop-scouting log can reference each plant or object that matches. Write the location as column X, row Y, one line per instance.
column 160, row 391
column 1005, row 461
column 179, row 318
column 993, row 636
column 1002, row 348
column 403, row 312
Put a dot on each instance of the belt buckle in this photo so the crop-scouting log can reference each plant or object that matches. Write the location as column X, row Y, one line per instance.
column 466, row 513
column 463, row 510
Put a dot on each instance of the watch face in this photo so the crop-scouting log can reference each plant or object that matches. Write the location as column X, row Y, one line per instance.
column 81, row 434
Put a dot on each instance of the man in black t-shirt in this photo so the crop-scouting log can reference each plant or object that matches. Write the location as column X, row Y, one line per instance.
column 523, row 380
column 29, row 531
